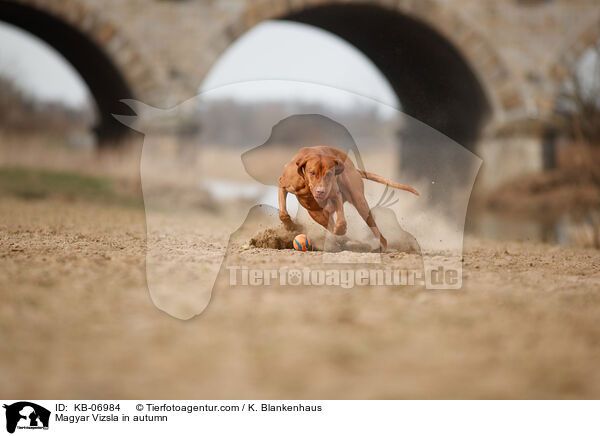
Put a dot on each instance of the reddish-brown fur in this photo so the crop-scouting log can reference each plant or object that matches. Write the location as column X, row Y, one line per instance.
column 323, row 178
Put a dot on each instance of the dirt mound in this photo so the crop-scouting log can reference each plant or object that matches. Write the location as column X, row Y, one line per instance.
column 279, row 238
column 276, row 237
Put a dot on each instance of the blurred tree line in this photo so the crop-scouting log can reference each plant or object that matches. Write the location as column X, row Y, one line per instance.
column 578, row 106
column 20, row 113
column 230, row 122
column 578, row 119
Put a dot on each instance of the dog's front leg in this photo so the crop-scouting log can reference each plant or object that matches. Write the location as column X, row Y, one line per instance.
column 283, row 214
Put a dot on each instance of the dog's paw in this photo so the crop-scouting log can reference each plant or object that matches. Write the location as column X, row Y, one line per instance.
column 340, row 228
column 383, row 244
column 290, row 226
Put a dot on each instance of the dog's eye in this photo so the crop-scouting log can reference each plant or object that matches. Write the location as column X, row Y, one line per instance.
column 312, row 173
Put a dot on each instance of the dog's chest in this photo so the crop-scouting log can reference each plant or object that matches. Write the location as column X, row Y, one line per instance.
column 308, row 202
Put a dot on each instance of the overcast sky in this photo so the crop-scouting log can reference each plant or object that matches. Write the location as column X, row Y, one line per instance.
column 37, row 68
column 292, row 51
column 272, row 50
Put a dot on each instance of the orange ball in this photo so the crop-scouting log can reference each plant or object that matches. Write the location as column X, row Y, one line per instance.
column 302, row 243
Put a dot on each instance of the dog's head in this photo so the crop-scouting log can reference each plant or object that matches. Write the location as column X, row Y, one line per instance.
column 320, row 173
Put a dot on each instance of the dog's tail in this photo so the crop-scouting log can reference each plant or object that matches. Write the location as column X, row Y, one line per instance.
column 377, row 178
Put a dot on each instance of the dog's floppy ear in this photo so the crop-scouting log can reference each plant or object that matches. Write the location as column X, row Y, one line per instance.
column 339, row 167
column 301, row 164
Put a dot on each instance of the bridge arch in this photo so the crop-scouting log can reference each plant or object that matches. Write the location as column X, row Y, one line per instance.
column 443, row 71
column 104, row 58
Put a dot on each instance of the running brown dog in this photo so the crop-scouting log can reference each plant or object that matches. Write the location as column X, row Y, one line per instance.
column 323, row 178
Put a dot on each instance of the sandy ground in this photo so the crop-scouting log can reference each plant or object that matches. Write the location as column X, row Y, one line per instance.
column 76, row 321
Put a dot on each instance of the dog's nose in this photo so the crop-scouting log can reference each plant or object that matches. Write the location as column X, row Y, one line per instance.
column 320, row 191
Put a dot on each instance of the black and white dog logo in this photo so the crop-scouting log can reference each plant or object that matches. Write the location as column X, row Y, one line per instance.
column 26, row 415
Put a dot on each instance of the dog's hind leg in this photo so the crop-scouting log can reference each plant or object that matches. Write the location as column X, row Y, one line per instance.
column 364, row 211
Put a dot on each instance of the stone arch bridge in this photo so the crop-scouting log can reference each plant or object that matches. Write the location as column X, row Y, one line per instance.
column 465, row 67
